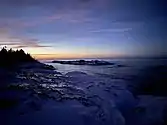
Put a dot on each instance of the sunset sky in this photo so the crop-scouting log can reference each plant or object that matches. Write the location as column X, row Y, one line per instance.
column 50, row 29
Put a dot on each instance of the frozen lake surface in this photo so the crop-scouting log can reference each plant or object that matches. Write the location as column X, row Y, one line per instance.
column 83, row 95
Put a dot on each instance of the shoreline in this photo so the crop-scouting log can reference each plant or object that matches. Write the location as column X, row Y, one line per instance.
column 38, row 84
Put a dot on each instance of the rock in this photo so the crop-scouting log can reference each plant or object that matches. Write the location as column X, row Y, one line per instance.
column 84, row 62
column 76, row 73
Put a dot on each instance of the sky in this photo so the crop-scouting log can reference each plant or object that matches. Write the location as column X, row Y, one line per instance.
column 50, row 29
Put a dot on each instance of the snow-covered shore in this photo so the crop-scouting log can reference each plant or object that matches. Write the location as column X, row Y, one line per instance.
column 41, row 95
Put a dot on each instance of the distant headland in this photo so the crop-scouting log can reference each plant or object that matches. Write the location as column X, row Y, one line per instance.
column 85, row 62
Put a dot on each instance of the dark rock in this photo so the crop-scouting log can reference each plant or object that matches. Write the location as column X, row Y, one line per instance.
column 49, row 67
column 120, row 65
column 84, row 62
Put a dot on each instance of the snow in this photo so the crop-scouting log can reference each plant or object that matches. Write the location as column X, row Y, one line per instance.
column 79, row 98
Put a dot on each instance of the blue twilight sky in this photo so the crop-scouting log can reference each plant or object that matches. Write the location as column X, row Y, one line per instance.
column 85, row 28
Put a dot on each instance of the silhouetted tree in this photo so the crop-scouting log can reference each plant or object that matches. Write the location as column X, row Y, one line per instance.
column 10, row 58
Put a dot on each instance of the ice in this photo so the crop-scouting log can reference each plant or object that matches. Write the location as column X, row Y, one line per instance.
column 80, row 98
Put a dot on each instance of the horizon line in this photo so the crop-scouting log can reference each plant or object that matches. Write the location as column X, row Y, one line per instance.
column 110, row 57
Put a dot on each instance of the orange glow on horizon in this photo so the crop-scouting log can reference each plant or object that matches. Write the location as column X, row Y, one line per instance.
column 50, row 54
column 68, row 56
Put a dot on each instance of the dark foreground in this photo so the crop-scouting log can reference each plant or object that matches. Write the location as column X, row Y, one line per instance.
column 38, row 94
column 32, row 93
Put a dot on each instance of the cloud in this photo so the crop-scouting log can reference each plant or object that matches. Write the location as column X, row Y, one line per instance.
column 28, row 46
column 76, row 11
column 67, row 16
column 9, row 40
column 111, row 30
column 73, row 16
column 51, row 2
column 46, row 11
